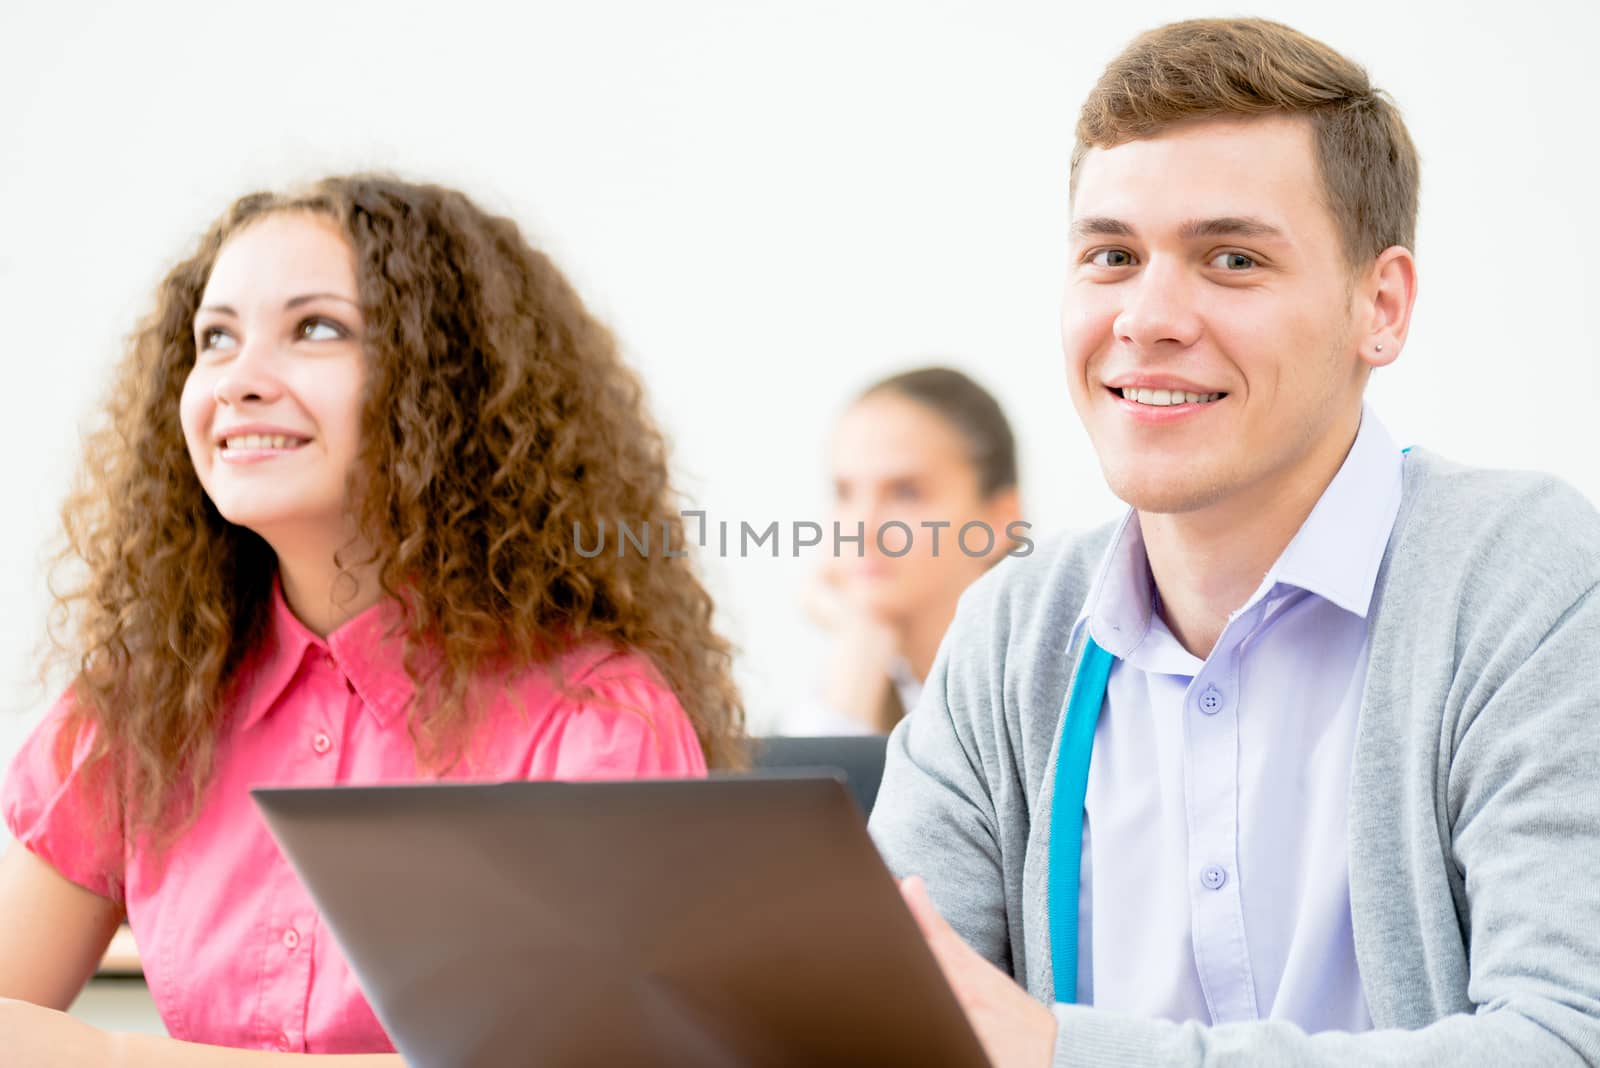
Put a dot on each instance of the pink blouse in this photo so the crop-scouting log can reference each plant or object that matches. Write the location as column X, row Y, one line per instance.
column 232, row 946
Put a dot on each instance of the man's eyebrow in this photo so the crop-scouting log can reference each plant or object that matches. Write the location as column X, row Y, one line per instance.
column 1223, row 226
column 1228, row 226
column 1100, row 226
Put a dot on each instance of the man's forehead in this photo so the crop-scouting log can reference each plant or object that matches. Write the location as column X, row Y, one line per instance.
column 1232, row 130
column 1261, row 169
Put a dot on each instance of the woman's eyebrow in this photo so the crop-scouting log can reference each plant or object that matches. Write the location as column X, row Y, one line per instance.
column 292, row 302
column 307, row 298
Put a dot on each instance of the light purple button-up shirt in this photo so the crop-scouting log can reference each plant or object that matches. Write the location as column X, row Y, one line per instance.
column 1215, row 882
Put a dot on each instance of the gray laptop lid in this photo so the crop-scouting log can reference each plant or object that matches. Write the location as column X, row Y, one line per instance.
column 729, row 921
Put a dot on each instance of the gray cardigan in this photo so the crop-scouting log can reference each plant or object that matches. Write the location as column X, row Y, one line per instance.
column 1474, row 803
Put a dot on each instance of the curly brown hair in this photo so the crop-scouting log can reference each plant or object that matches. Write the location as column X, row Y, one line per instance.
column 498, row 415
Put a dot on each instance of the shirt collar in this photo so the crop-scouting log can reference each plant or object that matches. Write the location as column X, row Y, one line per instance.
column 366, row 650
column 1120, row 604
column 1335, row 554
column 1339, row 548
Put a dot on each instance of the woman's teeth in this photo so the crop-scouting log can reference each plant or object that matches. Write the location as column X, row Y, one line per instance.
column 263, row 441
column 1164, row 397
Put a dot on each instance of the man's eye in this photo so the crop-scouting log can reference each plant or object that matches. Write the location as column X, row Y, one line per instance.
column 1112, row 257
column 1233, row 261
column 320, row 330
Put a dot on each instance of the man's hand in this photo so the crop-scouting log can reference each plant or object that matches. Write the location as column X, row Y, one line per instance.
column 1014, row 1029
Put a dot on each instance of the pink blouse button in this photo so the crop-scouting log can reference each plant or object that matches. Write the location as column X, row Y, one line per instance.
column 282, row 1042
column 321, row 743
column 291, row 938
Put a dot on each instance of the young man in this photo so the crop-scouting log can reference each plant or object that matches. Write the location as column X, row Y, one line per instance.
column 1300, row 762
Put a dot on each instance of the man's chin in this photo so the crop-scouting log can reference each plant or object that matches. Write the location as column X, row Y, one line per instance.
column 1157, row 492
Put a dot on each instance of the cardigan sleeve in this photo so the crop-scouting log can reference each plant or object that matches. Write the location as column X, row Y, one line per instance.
column 936, row 815
column 1523, row 797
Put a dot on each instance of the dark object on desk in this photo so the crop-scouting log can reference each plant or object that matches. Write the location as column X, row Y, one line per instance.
column 121, row 958
column 743, row 920
column 859, row 756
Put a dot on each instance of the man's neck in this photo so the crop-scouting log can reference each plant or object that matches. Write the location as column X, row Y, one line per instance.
column 1207, row 563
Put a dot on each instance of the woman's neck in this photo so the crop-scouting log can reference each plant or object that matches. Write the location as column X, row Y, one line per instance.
column 919, row 638
column 323, row 595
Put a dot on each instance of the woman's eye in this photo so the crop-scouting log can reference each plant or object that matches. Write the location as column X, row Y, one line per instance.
column 214, row 337
column 1112, row 257
column 1233, row 261
column 320, row 330
column 904, row 491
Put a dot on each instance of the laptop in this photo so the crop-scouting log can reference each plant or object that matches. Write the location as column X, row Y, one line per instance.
column 859, row 756
column 730, row 921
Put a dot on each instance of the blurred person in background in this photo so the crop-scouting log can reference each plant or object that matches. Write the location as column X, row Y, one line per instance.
column 932, row 450
column 326, row 537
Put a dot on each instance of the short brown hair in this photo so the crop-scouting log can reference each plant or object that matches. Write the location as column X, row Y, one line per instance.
column 1217, row 68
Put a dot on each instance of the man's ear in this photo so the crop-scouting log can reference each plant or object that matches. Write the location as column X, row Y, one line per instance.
column 1385, row 297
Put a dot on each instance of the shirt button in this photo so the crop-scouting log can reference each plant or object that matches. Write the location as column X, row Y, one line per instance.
column 282, row 1042
column 1211, row 701
column 321, row 743
column 1212, row 877
column 291, row 938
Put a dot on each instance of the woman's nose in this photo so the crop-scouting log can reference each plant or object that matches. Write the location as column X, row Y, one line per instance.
column 248, row 377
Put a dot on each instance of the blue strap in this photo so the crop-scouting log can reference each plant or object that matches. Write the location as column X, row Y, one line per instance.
column 1088, row 694
column 1066, row 812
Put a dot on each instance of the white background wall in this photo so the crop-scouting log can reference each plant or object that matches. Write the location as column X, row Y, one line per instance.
column 773, row 204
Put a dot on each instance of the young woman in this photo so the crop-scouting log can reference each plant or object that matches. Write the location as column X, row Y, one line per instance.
column 326, row 537
column 931, row 451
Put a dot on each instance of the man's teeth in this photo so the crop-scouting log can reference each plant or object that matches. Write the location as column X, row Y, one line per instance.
column 262, row 441
column 1164, row 397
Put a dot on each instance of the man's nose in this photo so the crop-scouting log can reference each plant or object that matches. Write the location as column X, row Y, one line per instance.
column 1159, row 308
